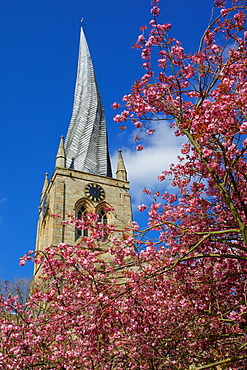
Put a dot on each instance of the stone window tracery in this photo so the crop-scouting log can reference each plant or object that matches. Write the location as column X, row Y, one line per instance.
column 82, row 208
column 104, row 217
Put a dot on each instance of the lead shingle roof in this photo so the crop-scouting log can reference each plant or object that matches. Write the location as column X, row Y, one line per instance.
column 86, row 144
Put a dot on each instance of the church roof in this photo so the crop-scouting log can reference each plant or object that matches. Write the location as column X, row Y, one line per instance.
column 86, row 144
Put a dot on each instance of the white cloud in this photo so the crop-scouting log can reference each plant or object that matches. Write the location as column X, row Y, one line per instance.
column 2, row 200
column 227, row 48
column 143, row 167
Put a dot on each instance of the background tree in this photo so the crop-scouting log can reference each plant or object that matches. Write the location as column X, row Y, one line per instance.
column 180, row 303
column 19, row 287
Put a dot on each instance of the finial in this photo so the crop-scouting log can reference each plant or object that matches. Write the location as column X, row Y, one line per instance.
column 121, row 173
column 81, row 21
column 60, row 158
column 46, row 182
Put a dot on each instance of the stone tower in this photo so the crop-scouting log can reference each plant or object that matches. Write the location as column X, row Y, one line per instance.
column 82, row 181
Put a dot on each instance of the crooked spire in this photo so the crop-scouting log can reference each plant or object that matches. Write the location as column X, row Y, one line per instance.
column 86, row 146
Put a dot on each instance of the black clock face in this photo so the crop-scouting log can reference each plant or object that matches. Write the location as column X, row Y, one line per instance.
column 94, row 192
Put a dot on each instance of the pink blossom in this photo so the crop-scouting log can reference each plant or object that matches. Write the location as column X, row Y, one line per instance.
column 125, row 114
column 135, row 226
column 209, row 37
column 146, row 65
column 243, row 128
column 115, row 105
column 224, row 12
column 109, row 209
column 58, row 215
column 139, row 147
column 177, row 51
column 162, row 62
column 207, row 152
column 25, row 258
column 161, row 177
column 146, row 54
column 155, row 10
column 189, row 71
column 155, row 206
column 141, row 39
column 22, row 261
column 138, row 124
column 142, row 207
column 146, row 191
column 213, row 165
column 126, row 98
column 186, row 148
column 164, row 27
column 118, row 118
column 199, row 57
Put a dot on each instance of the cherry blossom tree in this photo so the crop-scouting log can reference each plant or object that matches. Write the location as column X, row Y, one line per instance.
column 176, row 301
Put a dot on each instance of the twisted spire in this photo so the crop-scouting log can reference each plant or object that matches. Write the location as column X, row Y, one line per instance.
column 86, row 144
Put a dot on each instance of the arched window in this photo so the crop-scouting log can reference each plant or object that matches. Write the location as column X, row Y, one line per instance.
column 81, row 214
column 102, row 217
column 82, row 208
column 103, row 221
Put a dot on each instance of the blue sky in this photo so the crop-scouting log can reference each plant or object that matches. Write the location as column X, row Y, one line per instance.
column 39, row 47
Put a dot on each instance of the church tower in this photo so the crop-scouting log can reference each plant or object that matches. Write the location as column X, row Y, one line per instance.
column 82, row 181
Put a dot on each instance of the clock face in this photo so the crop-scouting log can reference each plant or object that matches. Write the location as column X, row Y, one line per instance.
column 94, row 192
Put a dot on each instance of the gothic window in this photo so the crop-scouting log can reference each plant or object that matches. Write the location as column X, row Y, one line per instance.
column 103, row 220
column 102, row 217
column 81, row 213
